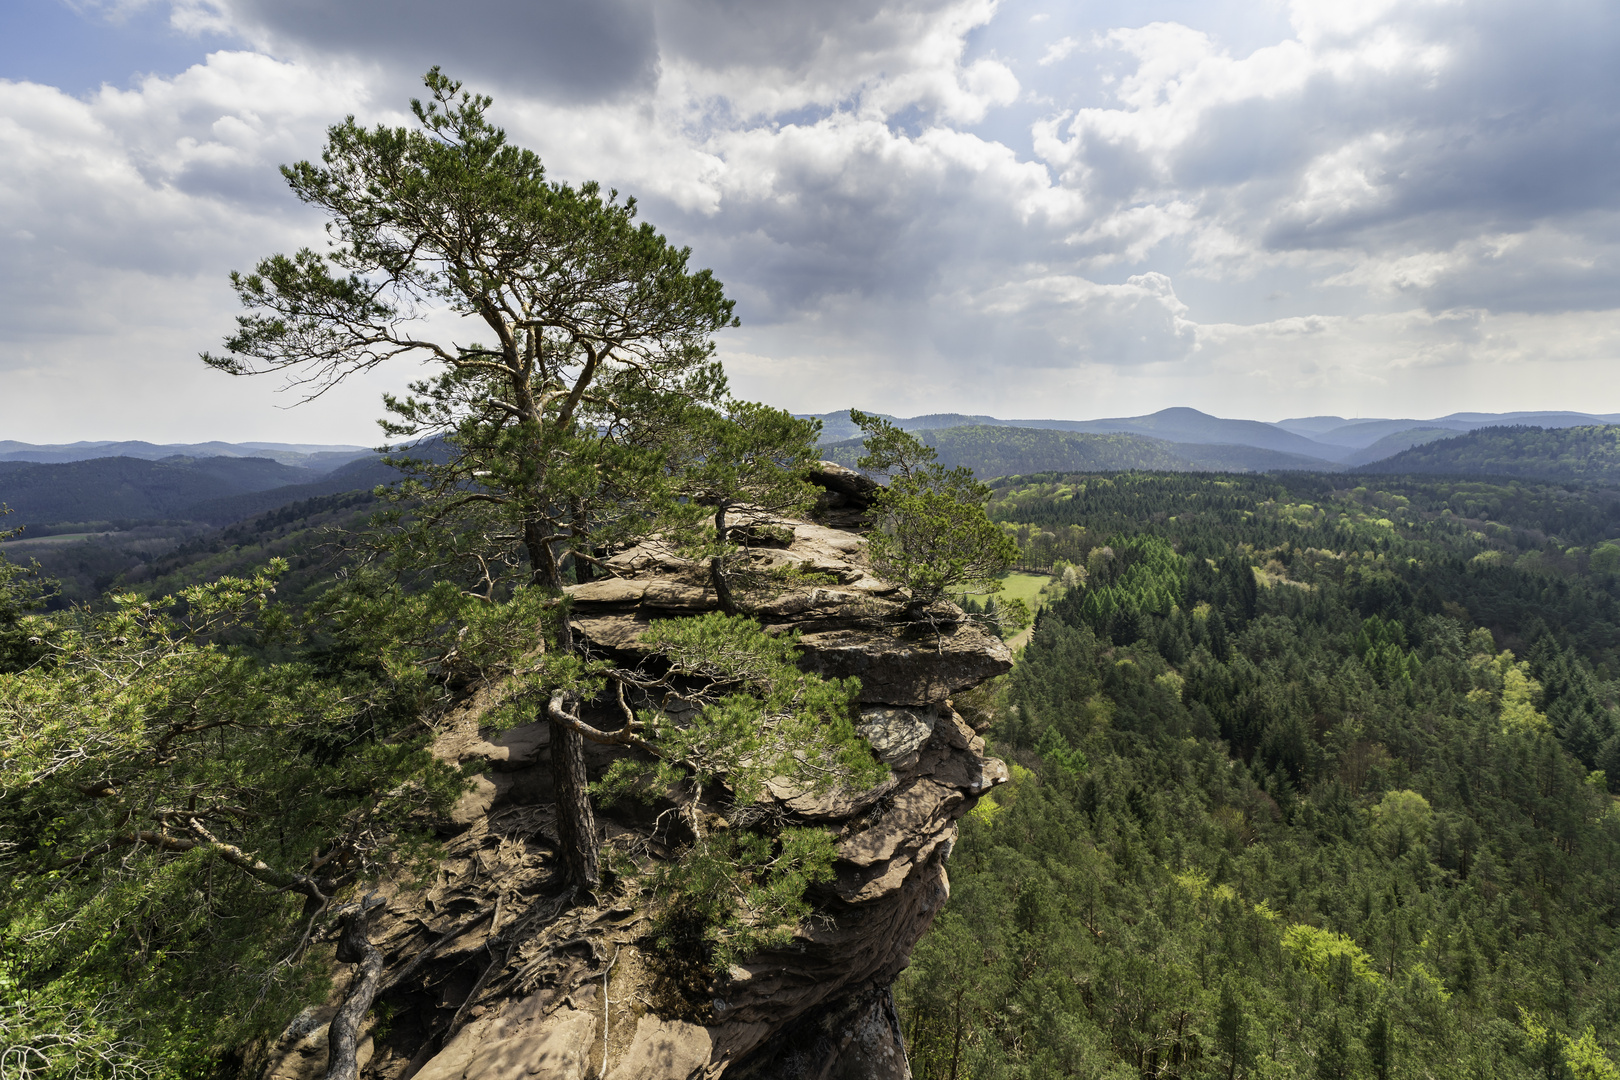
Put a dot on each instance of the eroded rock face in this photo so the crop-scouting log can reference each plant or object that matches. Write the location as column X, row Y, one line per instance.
column 821, row 1008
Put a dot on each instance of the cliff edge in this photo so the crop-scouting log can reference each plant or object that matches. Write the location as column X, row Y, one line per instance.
column 487, row 978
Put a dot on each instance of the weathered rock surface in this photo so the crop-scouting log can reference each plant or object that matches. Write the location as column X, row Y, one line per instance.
column 856, row 628
column 896, row 734
column 576, row 993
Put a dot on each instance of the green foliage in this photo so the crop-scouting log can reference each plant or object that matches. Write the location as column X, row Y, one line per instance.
column 1401, row 821
column 737, row 893
column 1586, row 1059
column 22, row 593
column 557, row 429
column 1381, row 644
column 171, row 800
column 1606, row 558
column 1138, row 575
column 1325, row 954
column 748, row 462
column 743, row 454
column 752, row 718
column 1283, row 855
column 758, row 717
column 48, row 1039
column 931, row 535
column 1583, row 1058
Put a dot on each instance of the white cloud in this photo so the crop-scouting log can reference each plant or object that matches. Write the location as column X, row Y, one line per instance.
column 1119, row 214
column 122, row 213
column 1059, row 49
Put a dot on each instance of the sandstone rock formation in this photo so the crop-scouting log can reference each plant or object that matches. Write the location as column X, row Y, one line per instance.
column 488, row 980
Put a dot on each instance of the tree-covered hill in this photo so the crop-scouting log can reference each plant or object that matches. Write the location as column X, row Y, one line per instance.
column 1590, row 453
column 212, row 490
column 360, row 475
column 992, row 451
column 1313, row 778
column 119, row 523
column 159, row 557
column 1392, row 444
column 102, row 489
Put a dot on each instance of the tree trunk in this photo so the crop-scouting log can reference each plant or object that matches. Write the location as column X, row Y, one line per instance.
column 717, row 570
column 576, row 821
column 343, row 1037
column 583, row 571
column 543, row 569
column 722, row 591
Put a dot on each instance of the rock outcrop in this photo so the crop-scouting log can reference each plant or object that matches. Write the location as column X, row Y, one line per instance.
column 513, row 986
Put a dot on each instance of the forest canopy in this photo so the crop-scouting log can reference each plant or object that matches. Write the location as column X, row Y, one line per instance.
column 1313, row 777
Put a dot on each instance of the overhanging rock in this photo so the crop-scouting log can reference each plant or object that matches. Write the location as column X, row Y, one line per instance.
column 579, row 996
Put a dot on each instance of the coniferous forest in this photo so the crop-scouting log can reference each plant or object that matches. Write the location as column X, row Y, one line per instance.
column 1311, row 779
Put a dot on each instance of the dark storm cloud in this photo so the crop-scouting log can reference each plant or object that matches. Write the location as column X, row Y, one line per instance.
column 565, row 49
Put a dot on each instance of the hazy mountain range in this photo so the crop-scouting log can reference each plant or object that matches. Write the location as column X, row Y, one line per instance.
column 61, row 488
column 1330, row 440
column 319, row 458
column 213, row 490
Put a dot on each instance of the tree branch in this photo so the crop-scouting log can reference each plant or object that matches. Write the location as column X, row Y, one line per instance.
column 597, row 735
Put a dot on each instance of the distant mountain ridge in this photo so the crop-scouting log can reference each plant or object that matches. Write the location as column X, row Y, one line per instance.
column 1329, row 440
column 140, row 481
column 1363, row 433
column 317, row 456
column 213, row 490
column 994, row 451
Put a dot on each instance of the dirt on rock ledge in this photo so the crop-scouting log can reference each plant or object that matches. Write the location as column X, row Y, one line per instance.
column 516, row 986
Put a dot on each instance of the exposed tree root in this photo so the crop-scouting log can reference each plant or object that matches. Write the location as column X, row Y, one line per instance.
column 354, row 947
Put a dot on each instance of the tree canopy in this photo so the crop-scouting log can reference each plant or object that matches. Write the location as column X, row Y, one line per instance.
column 563, row 429
column 932, row 534
column 1310, row 778
column 595, row 330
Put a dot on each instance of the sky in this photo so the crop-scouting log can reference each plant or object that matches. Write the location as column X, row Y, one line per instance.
column 1025, row 208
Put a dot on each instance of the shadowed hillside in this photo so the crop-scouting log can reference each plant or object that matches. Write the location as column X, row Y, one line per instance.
column 1011, row 451
column 1573, row 453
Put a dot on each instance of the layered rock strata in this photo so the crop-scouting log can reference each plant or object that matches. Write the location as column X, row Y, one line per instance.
column 514, row 989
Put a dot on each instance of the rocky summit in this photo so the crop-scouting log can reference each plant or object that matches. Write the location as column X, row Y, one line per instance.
column 525, row 990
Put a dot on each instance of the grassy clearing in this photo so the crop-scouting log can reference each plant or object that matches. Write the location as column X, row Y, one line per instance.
column 1036, row 590
column 1025, row 587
